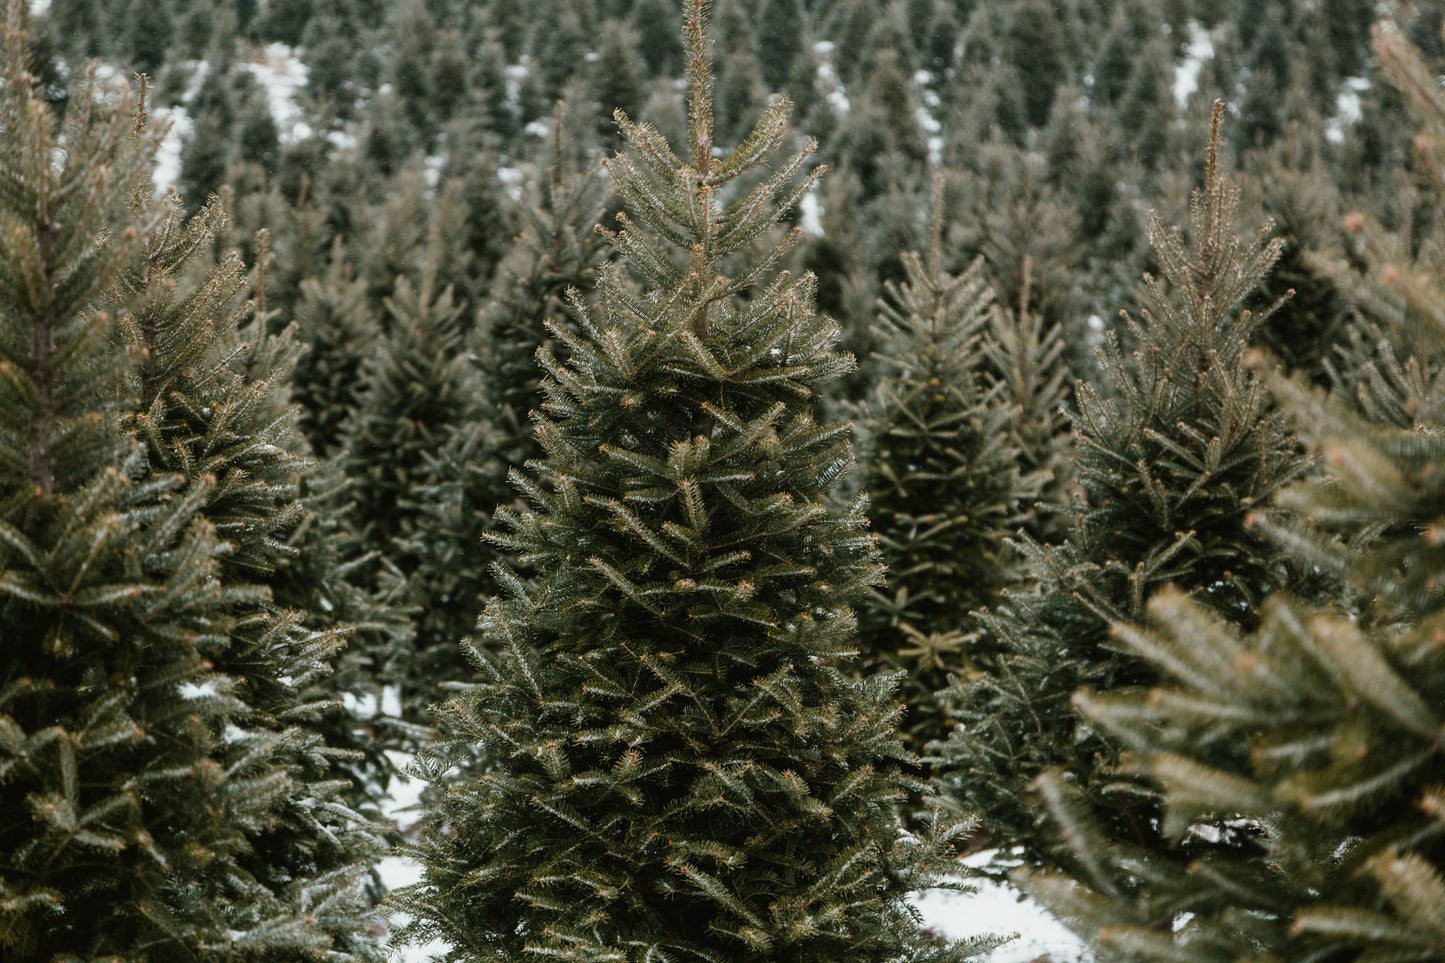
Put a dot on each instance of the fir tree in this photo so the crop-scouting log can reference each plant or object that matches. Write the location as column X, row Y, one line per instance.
column 944, row 490
column 1301, row 763
column 414, row 386
column 156, row 806
column 1171, row 468
column 682, row 771
column 417, row 389
column 212, row 407
column 558, row 251
column 334, row 320
column 1026, row 358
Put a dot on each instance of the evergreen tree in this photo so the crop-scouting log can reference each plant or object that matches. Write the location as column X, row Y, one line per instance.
column 558, row 251
column 159, row 801
column 682, row 770
column 616, row 80
column 1026, row 358
column 1172, row 469
column 212, row 407
column 335, row 322
column 781, row 35
column 941, row 476
column 1301, row 763
column 416, row 389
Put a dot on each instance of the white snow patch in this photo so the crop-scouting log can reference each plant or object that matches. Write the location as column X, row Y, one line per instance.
column 397, row 871
column 363, row 706
column 539, row 128
column 189, row 690
column 927, row 121
column 998, row 910
column 812, row 215
column 342, row 140
column 512, row 180
column 432, row 169
column 1347, row 108
column 281, row 73
column 391, row 703
column 1186, row 76
column 39, row 8
column 935, row 151
column 827, row 80
column 824, row 47
column 837, row 95
column 515, row 74
column 179, row 126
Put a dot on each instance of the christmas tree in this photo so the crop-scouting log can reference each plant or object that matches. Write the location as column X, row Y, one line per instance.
column 161, row 799
column 683, row 769
column 1300, row 763
column 1173, row 466
column 941, row 476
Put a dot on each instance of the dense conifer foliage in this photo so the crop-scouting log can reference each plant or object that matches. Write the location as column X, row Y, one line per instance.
column 169, row 794
column 242, row 512
column 1173, row 467
column 942, row 476
column 683, row 770
column 447, row 558
column 1300, row 763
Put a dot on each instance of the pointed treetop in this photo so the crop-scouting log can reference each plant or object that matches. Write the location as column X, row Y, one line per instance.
column 699, row 84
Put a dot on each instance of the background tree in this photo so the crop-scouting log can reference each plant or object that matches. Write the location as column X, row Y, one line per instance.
column 942, row 478
column 558, row 251
column 682, row 767
column 1172, row 468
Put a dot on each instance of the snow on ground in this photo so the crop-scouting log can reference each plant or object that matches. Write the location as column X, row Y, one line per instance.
column 168, row 156
column 1186, row 76
column 836, row 94
column 281, row 74
column 999, row 910
column 811, row 210
column 397, row 871
column 1347, row 108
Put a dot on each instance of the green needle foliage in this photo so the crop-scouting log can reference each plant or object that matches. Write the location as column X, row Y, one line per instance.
column 161, row 800
column 683, row 769
column 1172, row 467
column 213, row 407
column 942, row 477
column 447, row 558
column 1301, row 763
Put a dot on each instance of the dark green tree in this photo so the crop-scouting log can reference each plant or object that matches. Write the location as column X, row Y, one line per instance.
column 414, row 387
column 616, row 81
column 334, row 320
column 782, row 32
column 942, row 478
column 683, row 769
column 1172, row 467
column 1300, row 763
column 559, row 250
column 1026, row 359
column 160, row 800
column 212, row 407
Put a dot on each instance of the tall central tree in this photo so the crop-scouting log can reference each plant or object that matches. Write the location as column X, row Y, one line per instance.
column 683, row 769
